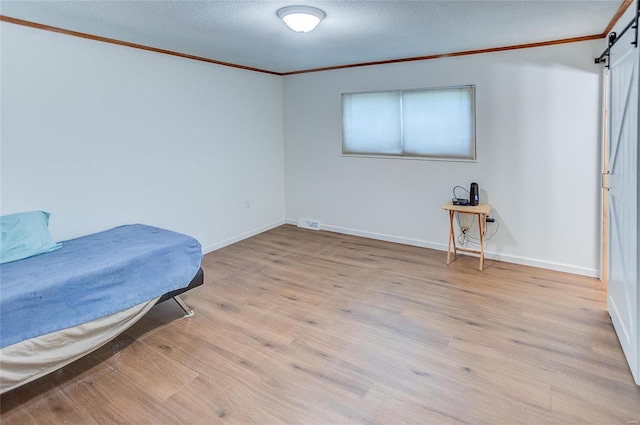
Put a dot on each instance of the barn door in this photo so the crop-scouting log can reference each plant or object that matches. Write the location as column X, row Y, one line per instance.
column 622, row 281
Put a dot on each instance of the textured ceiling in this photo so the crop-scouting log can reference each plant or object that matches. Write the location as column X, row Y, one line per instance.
column 248, row 33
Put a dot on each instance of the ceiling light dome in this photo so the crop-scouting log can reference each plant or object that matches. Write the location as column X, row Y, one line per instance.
column 301, row 18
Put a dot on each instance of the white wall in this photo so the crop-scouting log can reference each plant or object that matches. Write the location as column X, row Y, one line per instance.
column 538, row 131
column 102, row 135
column 622, row 22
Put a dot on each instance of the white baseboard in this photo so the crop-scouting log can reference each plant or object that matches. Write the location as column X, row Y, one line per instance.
column 544, row 264
column 238, row 238
column 516, row 259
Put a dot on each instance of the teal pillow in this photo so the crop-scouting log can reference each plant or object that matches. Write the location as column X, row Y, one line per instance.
column 24, row 235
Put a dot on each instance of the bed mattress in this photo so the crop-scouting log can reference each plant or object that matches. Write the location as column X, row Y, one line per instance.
column 92, row 277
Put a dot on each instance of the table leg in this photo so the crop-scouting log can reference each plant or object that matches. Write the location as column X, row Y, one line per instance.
column 451, row 239
column 482, row 226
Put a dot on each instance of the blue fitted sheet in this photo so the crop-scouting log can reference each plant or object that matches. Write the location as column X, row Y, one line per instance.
column 91, row 277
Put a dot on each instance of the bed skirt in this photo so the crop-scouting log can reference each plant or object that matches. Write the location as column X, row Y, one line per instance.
column 31, row 359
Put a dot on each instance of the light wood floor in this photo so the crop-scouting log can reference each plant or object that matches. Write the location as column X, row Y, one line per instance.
column 302, row 327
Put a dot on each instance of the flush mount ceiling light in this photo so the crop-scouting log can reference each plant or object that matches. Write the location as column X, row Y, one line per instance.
column 301, row 18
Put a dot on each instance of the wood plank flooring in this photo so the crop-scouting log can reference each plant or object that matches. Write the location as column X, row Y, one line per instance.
column 300, row 327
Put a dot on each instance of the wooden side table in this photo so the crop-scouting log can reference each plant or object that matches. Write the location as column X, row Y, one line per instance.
column 481, row 211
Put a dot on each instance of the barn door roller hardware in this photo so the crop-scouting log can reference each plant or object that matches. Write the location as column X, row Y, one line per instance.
column 613, row 37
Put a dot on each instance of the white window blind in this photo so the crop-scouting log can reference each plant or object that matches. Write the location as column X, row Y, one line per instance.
column 371, row 123
column 428, row 123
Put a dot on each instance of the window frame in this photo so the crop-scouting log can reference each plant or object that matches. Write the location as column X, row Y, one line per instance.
column 403, row 155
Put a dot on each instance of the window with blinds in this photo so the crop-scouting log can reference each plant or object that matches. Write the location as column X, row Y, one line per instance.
column 435, row 123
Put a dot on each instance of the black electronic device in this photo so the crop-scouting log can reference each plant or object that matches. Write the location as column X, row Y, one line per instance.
column 460, row 201
column 474, row 194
